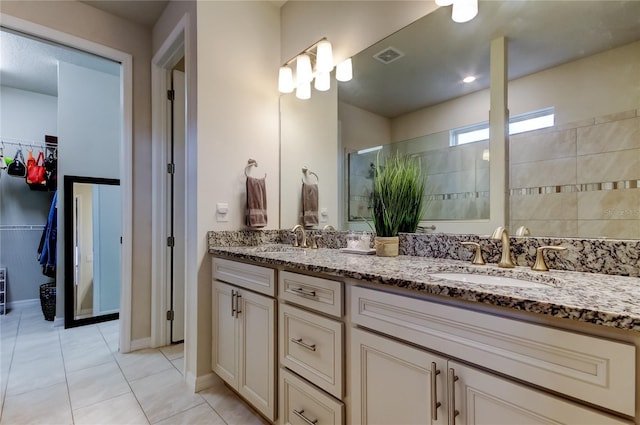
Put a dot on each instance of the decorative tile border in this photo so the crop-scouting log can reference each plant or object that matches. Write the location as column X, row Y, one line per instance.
column 569, row 188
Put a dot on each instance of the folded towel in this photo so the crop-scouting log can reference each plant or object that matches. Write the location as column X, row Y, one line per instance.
column 256, row 214
column 310, row 204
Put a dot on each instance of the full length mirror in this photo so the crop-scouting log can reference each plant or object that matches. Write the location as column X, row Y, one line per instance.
column 580, row 61
column 92, row 250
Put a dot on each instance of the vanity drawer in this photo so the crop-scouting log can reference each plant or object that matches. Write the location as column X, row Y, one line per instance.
column 311, row 346
column 312, row 292
column 597, row 370
column 255, row 278
column 301, row 403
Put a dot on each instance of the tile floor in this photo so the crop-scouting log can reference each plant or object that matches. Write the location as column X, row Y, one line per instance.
column 77, row 376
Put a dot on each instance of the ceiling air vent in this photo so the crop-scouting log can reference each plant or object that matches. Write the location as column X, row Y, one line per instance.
column 388, row 55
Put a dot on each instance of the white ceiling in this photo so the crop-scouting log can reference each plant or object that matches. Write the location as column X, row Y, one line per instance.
column 439, row 52
column 31, row 64
column 142, row 12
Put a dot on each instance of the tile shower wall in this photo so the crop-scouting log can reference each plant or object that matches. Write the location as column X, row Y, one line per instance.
column 579, row 179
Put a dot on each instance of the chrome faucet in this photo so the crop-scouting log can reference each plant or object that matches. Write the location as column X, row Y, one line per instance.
column 303, row 243
column 502, row 234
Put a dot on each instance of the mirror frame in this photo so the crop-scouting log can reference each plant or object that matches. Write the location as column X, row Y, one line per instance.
column 69, row 315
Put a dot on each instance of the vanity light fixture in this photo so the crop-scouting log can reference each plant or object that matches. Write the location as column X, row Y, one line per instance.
column 304, row 73
column 462, row 11
column 303, row 91
column 344, row 71
column 469, row 79
column 315, row 62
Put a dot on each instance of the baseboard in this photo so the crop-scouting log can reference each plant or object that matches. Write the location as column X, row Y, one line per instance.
column 201, row 382
column 139, row 344
column 23, row 303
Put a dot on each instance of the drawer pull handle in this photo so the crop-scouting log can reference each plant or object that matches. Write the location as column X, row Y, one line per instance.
column 304, row 292
column 311, row 347
column 452, row 396
column 300, row 414
column 434, row 392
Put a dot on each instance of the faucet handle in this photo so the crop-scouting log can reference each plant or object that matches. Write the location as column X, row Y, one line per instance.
column 295, row 239
column 541, row 265
column 477, row 258
column 314, row 241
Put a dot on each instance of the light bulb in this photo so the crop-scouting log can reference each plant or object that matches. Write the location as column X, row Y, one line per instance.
column 303, row 91
column 464, row 10
column 304, row 74
column 285, row 80
column 344, row 71
column 324, row 57
column 323, row 81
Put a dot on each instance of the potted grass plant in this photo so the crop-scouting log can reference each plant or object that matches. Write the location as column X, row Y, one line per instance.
column 398, row 191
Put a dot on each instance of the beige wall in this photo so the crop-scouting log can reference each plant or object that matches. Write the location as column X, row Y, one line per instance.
column 86, row 22
column 360, row 129
column 238, row 60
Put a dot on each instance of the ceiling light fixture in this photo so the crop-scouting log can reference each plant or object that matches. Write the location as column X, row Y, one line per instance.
column 462, row 11
column 315, row 62
column 469, row 79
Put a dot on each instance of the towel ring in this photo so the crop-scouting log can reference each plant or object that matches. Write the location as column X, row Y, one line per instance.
column 306, row 171
column 251, row 163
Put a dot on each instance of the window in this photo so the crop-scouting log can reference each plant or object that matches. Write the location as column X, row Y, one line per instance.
column 517, row 124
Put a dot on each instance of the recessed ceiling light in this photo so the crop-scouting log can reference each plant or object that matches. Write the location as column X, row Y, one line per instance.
column 469, row 79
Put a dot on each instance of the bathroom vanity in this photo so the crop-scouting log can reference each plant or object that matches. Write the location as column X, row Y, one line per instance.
column 363, row 339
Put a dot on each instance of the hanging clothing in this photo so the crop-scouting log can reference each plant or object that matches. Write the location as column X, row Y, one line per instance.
column 47, row 248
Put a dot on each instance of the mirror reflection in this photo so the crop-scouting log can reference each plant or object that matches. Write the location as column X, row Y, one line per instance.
column 577, row 177
column 93, row 226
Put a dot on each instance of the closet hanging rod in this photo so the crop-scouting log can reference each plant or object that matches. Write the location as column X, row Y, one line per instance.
column 29, row 144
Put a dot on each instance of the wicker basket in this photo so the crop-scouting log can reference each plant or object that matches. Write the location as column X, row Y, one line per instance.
column 48, row 300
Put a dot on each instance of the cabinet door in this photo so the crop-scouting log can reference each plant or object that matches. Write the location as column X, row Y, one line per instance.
column 257, row 365
column 224, row 347
column 392, row 383
column 483, row 398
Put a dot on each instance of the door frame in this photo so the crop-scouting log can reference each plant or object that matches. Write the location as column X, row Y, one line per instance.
column 126, row 152
column 174, row 47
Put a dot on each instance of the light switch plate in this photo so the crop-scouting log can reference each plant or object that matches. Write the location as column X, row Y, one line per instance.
column 222, row 212
column 324, row 215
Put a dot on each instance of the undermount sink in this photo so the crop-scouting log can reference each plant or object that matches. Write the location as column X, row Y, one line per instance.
column 489, row 280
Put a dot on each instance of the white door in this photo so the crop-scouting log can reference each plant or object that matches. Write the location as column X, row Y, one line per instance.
column 393, row 383
column 257, row 341
column 179, row 206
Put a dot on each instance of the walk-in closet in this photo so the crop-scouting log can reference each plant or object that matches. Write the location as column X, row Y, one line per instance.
column 60, row 217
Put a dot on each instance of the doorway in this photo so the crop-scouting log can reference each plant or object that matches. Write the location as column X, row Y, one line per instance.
column 124, row 155
column 169, row 190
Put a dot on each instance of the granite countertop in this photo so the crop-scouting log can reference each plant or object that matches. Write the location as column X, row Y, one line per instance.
column 600, row 299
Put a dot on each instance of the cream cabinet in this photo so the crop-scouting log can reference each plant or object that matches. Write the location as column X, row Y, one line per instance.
column 311, row 350
column 572, row 366
column 393, row 383
column 244, row 344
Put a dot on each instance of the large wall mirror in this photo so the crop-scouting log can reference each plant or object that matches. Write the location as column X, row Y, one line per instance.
column 579, row 60
column 92, row 249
